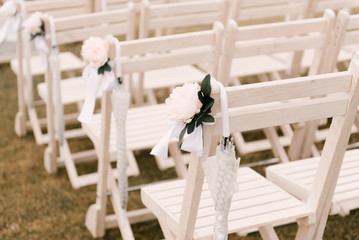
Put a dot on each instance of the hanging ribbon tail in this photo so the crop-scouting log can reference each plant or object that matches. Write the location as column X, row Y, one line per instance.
column 42, row 49
column 5, row 29
column 194, row 142
column 161, row 148
column 120, row 103
column 92, row 86
column 14, row 28
column 109, row 80
column 9, row 29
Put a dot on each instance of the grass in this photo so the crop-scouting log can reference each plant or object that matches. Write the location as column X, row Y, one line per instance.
column 36, row 205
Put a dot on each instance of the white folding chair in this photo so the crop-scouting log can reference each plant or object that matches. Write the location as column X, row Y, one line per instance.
column 57, row 93
column 26, row 66
column 250, row 51
column 345, row 33
column 184, row 208
column 145, row 125
column 297, row 177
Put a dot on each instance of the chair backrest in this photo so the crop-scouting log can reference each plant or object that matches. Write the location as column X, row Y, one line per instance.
column 318, row 6
column 59, row 8
column 346, row 32
column 166, row 18
column 261, row 105
column 142, row 55
column 248, row 12
column 281, row 37
column 71, row 29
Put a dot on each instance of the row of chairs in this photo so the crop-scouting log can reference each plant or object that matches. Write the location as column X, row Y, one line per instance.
column 64, row 28
column 189, row 57
column 97, row 119
column 259, row 203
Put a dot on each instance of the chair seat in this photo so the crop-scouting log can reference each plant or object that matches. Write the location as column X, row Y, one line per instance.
column 68, row 62
column 257, row 202
column 72, row 90
column 145, row 126
column 308, row 56
column 297, row 178
column 248, row 66
column 172, row 76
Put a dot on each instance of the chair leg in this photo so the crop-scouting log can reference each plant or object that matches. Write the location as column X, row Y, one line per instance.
column 268, row 233
column 166, row 232
column 277, row 147
column 50, row 163
column 20, row 124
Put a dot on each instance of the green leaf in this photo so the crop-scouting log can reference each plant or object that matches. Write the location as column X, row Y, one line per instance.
column 208, row 118
column 206, row 108
column 180, row 138
column 105, row 67
column 200, row 119
column 206, row 85
column 42, row 27
column 191, row 126
column 101, row 70
column 200, row 96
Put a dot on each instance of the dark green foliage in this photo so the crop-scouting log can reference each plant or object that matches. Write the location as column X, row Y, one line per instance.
column 105, row 67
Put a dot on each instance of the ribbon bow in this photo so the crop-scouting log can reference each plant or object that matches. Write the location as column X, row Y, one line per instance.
column 41, row 47
column 9, row 29
column 94, row 81
column 192, row 143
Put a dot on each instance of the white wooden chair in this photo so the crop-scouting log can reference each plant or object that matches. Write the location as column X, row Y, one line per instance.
column 250, row 51
column 26, row 66
column 144, row 125
column 184, row 208
column 204, row 46
column 297, row 178
column 345, row 33
column 170, row 18
column 72, row 90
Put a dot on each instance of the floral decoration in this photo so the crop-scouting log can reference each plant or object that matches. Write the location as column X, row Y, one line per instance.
column 35, row 25
column 191, row 105
column 95, row 51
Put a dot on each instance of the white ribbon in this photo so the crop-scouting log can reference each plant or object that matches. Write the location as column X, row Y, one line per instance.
column 94, row 81
column 192, row 143
column 42, row 49
column 10, row 28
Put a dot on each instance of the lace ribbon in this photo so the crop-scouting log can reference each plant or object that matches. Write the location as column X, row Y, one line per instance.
column 10, row 28
column 94, row 81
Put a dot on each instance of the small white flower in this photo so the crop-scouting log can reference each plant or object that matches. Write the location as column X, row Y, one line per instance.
column 183, row 103
column 9, row 8
column 33, row 23
column 95, row 51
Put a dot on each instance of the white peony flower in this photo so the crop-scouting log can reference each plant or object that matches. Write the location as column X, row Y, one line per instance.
column 9, row 8
column 95, row 51
column 183, row 103
column 33, row 23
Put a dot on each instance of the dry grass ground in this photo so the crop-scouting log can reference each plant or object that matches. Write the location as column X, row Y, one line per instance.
column 36, row 205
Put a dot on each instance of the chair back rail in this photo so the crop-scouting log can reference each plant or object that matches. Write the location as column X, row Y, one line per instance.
column 77, row 28
column 164, row 18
